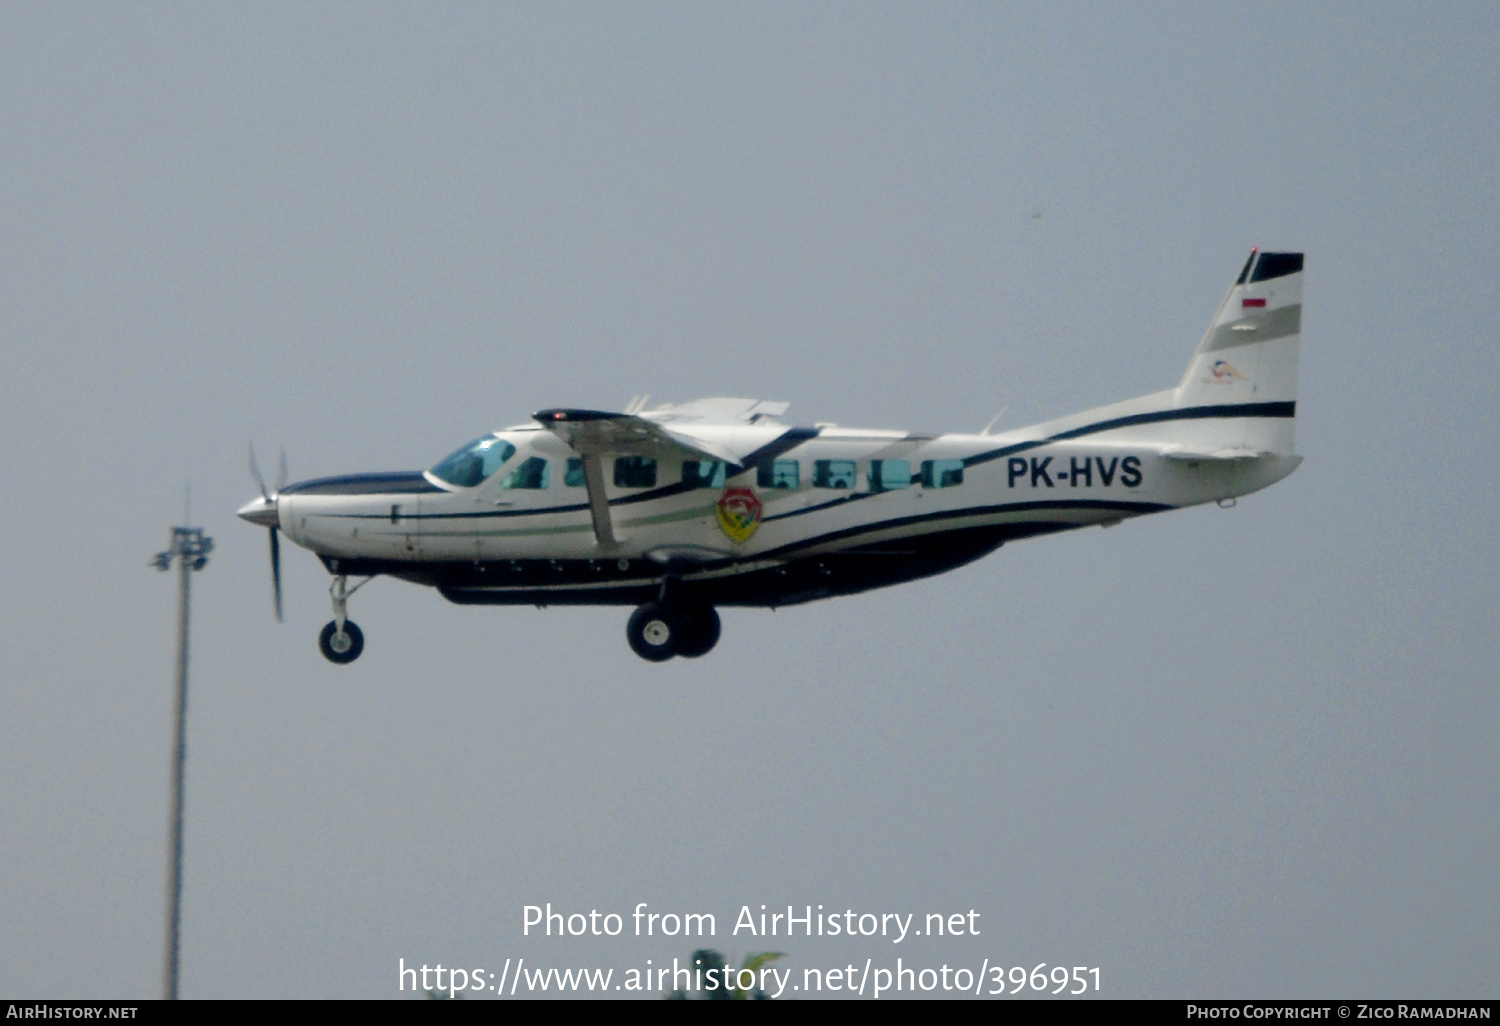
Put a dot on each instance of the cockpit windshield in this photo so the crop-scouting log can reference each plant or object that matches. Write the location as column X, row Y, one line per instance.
column 475, row 462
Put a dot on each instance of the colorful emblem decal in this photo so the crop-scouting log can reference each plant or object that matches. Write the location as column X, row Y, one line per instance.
column 739, row 514
column 1225, row 372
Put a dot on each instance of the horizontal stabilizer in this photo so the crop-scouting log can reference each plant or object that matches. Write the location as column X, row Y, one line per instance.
column 1198, row 455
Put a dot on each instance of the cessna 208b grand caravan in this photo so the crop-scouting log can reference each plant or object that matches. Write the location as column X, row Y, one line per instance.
column 679, row 509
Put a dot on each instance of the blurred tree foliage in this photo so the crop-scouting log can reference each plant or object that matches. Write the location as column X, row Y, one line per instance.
column 725, row 981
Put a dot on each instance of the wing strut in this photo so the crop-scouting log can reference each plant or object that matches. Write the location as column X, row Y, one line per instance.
column 593, row 480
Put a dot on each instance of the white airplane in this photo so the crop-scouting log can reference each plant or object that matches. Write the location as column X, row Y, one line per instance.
column 679, row 509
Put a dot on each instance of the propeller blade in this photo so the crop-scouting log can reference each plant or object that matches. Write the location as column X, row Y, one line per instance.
column 260, row 482
column 276, row 571
column 258, row 514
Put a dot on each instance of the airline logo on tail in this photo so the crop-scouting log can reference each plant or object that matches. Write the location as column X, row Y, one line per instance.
column 1224, row 373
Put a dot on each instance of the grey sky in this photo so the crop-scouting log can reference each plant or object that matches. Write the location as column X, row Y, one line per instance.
column 1213, row 753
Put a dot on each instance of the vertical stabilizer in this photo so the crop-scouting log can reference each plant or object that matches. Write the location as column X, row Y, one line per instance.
column 1249, row 355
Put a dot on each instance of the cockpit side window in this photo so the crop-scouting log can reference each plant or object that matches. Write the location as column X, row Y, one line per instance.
column 533, row 473
column 474, row 462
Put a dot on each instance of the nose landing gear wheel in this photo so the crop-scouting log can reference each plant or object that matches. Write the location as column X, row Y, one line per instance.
column 654, row 632
column 341, row 646
column 700, row 632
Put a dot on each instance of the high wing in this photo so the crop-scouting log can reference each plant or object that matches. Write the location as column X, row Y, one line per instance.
column 595, row 432
column 678, row 430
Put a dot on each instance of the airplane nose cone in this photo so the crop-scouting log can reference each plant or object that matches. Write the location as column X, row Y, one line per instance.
column 260, row 511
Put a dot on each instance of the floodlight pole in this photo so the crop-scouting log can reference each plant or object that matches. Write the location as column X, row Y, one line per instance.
column 190, row 549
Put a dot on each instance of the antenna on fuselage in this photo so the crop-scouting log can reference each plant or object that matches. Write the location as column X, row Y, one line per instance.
column 994, row 419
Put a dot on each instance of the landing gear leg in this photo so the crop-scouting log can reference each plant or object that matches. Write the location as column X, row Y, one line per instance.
column 341, row 640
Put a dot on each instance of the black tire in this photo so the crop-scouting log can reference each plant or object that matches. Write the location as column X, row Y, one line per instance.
column 654, row 632
column 353, row 638
column 700, row 632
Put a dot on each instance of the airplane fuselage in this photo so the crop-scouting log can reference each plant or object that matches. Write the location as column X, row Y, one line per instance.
column 839, row 511
column 680, row 509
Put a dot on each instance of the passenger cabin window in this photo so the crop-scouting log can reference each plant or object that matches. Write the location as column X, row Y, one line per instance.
column 533, row 473
column 635, row 472
column 942, row 473
column 703, row 473
column 573, row 475
column 475, row 462
column 778, row 474
column 888, row 475
column 834, row 474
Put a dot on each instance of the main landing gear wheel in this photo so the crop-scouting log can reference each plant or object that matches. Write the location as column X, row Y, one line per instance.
column 341, row 646
column 700, row 632
column 658, row 631
column 655, row 631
